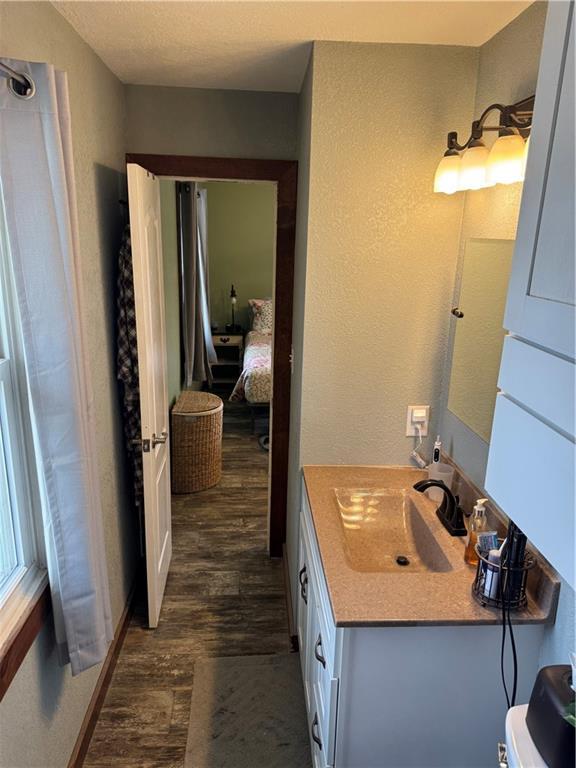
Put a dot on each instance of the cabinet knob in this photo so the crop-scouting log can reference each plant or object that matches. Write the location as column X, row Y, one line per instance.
column 317, row 654
column 457, row 312
column 303, row 579
column 224, row 339
column 315, row 738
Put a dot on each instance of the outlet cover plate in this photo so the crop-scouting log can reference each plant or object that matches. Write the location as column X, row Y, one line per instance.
column 411, row 424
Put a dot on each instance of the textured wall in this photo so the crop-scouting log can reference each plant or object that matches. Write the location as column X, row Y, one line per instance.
column 171, row 286
column 241, row 246
column 304, row 149
column 192, row 121
column 382, row 247
column 44, row 706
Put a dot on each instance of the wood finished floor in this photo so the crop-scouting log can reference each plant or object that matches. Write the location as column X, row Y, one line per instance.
column 224, row 597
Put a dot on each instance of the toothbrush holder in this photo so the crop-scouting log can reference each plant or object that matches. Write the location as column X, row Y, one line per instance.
column 496, row 584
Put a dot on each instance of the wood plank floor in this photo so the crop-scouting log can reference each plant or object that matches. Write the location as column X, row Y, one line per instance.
column 224, row 597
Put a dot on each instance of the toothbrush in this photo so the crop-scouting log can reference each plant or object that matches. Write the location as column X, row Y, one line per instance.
column 436, row 451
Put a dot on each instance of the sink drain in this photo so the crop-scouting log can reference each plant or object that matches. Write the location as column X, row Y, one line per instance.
column 402, row 560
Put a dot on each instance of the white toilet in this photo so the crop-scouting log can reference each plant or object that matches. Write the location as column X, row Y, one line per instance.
column 520, row 748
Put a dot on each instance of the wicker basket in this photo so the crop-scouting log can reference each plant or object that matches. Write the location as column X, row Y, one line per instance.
column 196, row 442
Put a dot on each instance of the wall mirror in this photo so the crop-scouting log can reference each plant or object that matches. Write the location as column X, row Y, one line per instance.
column 479, row 333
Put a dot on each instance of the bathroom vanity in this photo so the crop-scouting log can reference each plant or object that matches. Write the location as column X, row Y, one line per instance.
column 401, row 666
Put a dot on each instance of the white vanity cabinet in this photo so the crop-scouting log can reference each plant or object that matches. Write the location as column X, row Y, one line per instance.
column 317, row 641
column 530, row 471
column 399, row 696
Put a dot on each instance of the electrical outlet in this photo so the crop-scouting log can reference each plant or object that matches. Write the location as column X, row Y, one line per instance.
column 417, row 415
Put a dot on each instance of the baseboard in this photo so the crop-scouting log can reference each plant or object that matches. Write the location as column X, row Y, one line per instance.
column 91, row 717
column 292, row 631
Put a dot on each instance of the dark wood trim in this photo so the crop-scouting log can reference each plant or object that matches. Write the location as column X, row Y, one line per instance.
column 292, row 631
column 20, row 645
column 285, row 174
column 99, row 694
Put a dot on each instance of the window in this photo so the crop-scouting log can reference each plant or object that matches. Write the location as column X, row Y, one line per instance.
column 22, row 573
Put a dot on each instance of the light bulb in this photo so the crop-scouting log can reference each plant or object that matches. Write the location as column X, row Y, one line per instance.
column 473, row 167
column 526, row 150
column 507, row 159
column 447, row 177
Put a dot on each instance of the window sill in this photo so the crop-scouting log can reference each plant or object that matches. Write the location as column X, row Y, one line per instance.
column 23, row 616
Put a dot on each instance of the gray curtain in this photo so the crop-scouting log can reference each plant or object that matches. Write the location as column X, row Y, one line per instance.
column 198, row 349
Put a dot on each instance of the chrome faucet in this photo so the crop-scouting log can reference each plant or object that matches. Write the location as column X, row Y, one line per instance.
column 449, row 512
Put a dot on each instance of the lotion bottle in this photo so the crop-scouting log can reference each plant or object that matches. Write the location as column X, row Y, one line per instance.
column 477, row 524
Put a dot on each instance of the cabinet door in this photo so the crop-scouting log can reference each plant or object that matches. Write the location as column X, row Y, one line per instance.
column 541, row 300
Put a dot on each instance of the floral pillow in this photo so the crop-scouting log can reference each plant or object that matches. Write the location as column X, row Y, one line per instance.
column 261, row 315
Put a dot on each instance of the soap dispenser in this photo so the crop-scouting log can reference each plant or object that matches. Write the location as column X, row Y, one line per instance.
column 477, row 525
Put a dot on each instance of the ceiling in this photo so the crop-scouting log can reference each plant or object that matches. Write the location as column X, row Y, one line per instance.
column 263, row 46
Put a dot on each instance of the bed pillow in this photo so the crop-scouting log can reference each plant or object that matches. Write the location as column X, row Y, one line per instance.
column 261, row 315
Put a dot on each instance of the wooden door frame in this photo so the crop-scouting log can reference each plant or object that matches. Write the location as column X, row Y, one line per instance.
column 285, row 174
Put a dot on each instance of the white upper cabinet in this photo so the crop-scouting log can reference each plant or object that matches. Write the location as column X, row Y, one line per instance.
column 531, row 459
column 540, row 304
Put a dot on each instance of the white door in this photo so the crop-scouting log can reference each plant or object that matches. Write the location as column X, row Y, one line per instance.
column 145, row 230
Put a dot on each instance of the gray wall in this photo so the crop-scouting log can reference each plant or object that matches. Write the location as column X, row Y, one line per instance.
column 193, row 121
column 382, row 247
column 41, row 713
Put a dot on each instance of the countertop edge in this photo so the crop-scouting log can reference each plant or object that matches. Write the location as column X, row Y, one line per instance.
column 546, row 614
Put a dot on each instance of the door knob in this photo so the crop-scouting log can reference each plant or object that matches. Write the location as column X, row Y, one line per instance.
column 159, row 439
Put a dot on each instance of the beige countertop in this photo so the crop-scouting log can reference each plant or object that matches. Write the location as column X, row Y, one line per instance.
column 405, row 598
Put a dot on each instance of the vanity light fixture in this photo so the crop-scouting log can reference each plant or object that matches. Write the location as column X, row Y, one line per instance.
column 478, row 167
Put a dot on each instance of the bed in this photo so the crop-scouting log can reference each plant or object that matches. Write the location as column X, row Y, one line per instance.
column 255, row 382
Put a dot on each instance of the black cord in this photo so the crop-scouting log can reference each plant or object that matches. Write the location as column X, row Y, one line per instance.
column 504, row 588
column 513, row 646
column 501, row 577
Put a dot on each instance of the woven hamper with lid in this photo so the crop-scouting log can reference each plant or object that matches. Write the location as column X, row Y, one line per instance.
column 196, row 442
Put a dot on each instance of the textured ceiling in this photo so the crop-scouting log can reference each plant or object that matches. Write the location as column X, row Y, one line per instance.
column 263, row 46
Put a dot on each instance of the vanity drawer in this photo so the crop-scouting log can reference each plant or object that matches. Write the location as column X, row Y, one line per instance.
column 316, row 574
column 322, row 737
column 303, row 612
column 325, row 689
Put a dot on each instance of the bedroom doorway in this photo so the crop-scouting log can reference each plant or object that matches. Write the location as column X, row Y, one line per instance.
column 250, row 358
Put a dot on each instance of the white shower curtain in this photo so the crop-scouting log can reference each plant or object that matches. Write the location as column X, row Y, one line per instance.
column 38, row 196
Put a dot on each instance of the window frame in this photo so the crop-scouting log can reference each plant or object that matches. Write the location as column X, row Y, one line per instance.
column 24, row 603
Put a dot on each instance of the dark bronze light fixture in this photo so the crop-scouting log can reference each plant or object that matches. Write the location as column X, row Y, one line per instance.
column 478, row 167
